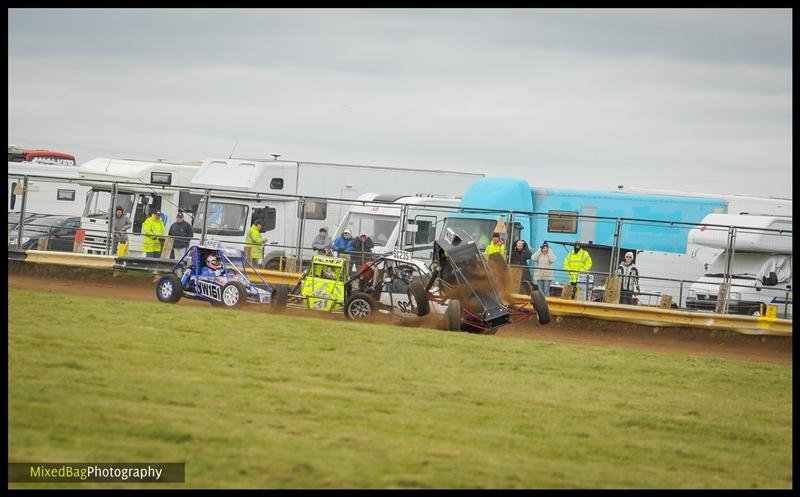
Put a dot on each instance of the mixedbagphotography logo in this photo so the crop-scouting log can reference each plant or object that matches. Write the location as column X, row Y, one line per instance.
column 34, row 472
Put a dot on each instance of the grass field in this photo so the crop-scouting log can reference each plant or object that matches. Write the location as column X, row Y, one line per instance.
column 251, row 399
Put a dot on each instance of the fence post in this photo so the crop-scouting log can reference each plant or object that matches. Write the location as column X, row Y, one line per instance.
column 615, row 248
column 722, row 299
column 401, row 238
column 21, row 227
column 205, row 218
column 109, row 231
column 300, row 233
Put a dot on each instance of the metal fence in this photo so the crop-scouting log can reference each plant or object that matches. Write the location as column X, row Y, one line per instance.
column 292, row 221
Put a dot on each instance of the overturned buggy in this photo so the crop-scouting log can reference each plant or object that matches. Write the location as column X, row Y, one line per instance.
column 477, row 292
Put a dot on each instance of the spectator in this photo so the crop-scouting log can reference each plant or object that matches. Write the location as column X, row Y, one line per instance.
column 520, row 255
column 153, row 231
column 344, row 243
column 181, row 231
column 121, row 225
column 362, row 247
column 629, row 276
column 578, row 261
column 496, row 246
column 255, row 241
column 322, row 243
column 543, row 259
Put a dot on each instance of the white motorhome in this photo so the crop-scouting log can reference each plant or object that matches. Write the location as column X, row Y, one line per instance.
column 380, row 217
column 243, row 190
column 761, row 265
column 52, row 189
column 142, row 187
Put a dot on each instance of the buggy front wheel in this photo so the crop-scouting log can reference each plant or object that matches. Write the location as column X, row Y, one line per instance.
column 280, row 295
column 453, row 315
column 168, row 288
column 233, row 294
column 360, row 307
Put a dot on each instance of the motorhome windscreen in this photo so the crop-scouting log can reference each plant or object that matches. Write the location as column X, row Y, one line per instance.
column 379, row 228
column 745, row 265
column 98, row 202
column 223, row 219
column 479, row 229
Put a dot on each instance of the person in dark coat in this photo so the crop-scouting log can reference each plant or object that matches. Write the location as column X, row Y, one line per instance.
column 181, row 232
column 362, row 249
column 520, row 255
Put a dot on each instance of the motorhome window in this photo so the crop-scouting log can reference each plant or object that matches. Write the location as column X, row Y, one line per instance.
column 426, row 230
column 161, row 178
column 562, row 222
column 223, row 219
column 276, row 184
column 479, row 229
column 315, row 209
column 66, row 194
column 189, row 203
column 12, row 194
column 266, row 215
column 379, row 228
column 99, row 201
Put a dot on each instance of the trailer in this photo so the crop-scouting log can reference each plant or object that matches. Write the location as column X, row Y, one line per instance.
column 294, row 199
column 52, row 189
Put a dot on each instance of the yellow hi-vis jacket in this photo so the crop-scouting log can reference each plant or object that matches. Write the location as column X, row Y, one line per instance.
column 575, row 263
column 152, row 228
column 495, row 249
column 256, row 243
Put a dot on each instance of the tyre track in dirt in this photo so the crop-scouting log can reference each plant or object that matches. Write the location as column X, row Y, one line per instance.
column 580, row 331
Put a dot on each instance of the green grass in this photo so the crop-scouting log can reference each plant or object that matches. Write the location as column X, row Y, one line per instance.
column 250, row 399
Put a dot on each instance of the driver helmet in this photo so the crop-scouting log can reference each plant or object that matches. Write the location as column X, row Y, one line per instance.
column 212, row 262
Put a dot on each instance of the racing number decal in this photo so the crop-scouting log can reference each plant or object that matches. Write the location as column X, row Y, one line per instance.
column 405, row 306
column 210, row 290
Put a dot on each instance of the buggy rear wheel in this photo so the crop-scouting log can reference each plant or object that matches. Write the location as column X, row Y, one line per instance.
column 280, row 295
column 453, row 315
column 168, row 289
column 233, row 294
column 540, row 306
column 360, row 307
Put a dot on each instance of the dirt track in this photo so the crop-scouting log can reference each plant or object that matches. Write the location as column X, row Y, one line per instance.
column 569, row 330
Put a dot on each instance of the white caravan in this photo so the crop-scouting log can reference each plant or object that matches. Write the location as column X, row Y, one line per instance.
column 379, row 217
column 761, row 266
column 52, row 189
column 244, row 190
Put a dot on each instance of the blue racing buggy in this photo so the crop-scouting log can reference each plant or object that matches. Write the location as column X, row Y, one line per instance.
column 220, row 276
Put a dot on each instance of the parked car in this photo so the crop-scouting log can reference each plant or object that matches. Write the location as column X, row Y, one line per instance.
column 59, row 230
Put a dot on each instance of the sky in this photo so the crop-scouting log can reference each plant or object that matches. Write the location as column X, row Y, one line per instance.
column 686, row 99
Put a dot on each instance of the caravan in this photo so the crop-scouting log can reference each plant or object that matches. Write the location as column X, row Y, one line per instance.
column 52, row 189
column 760, row 264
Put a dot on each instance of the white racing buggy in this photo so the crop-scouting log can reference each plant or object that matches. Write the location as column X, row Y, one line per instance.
column 390, row 284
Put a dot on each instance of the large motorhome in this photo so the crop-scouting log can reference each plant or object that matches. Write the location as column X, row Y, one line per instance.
column 294, row 198
column 760, row 263
column 562, row 217
column 380, row 217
